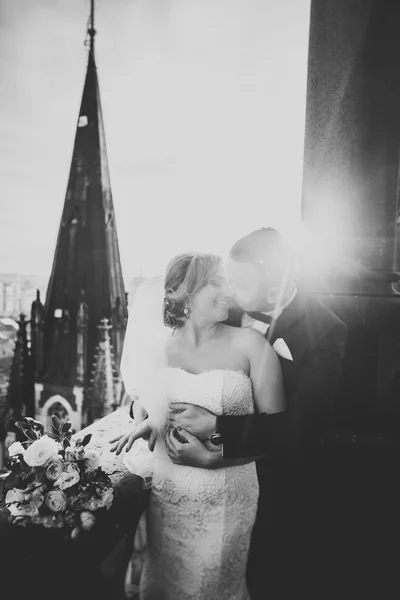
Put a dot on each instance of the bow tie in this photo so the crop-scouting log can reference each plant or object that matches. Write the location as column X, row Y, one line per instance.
column 258, row 316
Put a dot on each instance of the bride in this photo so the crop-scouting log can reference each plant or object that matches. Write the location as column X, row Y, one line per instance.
column 199, row 520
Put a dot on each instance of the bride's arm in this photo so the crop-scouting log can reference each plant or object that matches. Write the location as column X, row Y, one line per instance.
column 267, row 383
column 139, row 414
column 265, row 373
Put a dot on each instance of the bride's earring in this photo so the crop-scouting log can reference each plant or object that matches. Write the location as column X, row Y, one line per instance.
column 186, row 311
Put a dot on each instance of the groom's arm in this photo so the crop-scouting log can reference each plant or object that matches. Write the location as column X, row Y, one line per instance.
column 254, row 435
column 310, row 406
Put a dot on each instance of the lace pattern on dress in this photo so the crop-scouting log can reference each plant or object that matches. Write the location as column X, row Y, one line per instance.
column 200, row 521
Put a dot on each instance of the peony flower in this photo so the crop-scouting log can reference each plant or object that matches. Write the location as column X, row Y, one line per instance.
column 56, row 500
column 41, row 452
column 69, row 477
column 28, row 510
column 92, row 460
column 14, row 495
column 15, row 449
column 87, row 520
column 54, row 469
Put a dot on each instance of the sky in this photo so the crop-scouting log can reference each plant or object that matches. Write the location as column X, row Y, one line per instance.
column 204, row 110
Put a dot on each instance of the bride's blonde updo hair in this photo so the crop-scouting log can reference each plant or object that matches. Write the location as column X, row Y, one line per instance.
column 186, row 275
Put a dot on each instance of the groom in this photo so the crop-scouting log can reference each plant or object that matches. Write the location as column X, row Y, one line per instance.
column 286, row 546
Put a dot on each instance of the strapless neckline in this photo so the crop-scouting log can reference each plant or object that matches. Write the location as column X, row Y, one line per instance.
column 208, row 371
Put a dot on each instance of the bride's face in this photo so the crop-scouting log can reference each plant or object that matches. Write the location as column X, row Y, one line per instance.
column 212, row 301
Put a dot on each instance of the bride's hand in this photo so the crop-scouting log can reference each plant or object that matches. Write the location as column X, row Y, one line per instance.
column 126, row 441
column 191, row 453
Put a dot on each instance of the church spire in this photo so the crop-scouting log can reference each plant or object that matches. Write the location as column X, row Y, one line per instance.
column 87, row 262
column 91, row 31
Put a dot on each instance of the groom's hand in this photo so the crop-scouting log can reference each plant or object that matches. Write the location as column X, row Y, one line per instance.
column 191, row 452
column 196, row 420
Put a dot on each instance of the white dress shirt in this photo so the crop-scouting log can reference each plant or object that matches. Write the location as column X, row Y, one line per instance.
column 248, row 321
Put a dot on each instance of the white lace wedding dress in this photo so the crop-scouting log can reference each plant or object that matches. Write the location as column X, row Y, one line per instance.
column 199, row 521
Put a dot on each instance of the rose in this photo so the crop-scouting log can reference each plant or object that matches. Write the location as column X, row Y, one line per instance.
column 20, row 504
column 41, row 452
column 15, row 449
column 69, row 477
column 15, row 495
column 24, row 510
column 36, row 497
column 92, row 460
column 56, row 500
column 87, row 520
column 54, row 469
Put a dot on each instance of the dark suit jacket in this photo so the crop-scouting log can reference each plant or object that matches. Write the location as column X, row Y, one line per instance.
column 297, row 514
column 294, row 476
column 316, row 339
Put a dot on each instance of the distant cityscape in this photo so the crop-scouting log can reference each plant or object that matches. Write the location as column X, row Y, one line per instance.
column 17, row 292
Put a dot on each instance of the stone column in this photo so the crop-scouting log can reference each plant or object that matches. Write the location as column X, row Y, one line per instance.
column 350, row 190
column 350, row 185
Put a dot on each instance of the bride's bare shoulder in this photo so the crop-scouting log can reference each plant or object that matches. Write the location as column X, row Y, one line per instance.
column 245, row 336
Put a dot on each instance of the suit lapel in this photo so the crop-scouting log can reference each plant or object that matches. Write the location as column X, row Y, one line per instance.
column 287, row 327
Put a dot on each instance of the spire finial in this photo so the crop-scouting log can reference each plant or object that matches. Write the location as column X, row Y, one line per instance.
column 91, row 29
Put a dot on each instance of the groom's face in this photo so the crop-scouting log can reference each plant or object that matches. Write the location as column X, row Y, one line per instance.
column 247, row 284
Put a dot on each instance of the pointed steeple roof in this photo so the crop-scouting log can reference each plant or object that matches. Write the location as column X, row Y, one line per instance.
column 87, row 256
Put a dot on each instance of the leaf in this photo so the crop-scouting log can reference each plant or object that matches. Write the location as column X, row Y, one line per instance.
column 22, row 425
column 40, row 477
column 38, row 426
column 31, row 435
column 66, row 443
column 86, row 439
column 54, row 436
column 67, row 426
column 30, row 478
column 55, row 421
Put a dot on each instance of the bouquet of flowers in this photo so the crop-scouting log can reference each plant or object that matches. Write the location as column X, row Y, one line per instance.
column 53, row 482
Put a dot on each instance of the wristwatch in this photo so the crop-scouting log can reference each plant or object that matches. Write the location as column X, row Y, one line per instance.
column 216, row 439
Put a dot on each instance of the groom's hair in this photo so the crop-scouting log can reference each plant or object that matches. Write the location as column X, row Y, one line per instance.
column 266, row 249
